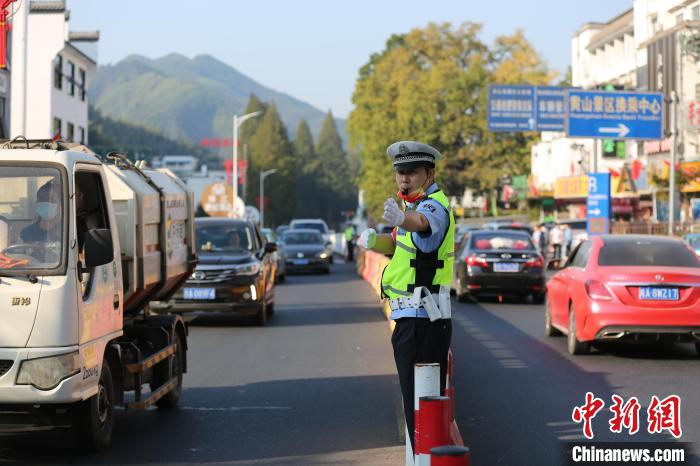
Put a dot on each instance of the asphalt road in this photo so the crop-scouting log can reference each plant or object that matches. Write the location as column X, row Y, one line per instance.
column 516, row 388
column 316, row 386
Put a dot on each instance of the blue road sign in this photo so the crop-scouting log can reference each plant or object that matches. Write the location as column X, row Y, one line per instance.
column 511, row 108
column 614, row 115
column 598, row 204
column 551, row 108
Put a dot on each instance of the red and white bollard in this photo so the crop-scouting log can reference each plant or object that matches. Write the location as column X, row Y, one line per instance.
column 426, row 383
column 450, row 455
column 432, row 427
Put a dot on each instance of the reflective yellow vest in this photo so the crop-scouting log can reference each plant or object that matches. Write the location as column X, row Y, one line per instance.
column 410, row 267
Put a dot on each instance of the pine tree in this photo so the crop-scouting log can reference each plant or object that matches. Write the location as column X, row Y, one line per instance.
column 335, row 179
column 308, row 204
column 270, row 148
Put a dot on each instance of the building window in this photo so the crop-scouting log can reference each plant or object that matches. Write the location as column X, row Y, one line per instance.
column 71, row 78
column 58, row 72
column 679, row 18
column 70, row 132
column 81, row 132
column 57, row 127
column 82, row 85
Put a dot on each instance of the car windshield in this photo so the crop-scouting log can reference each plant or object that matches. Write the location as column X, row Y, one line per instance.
column 31, row 219
column 310, row 226
column 302, row 237
column 501, row 240
column 646, row 253
column 224, row 237
column 515, row 228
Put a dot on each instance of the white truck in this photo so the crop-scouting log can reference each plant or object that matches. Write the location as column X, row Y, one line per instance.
column 86, row 242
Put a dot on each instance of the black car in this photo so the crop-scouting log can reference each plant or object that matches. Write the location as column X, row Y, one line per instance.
column 501, row 262
column 235, row 274
column 305, row 250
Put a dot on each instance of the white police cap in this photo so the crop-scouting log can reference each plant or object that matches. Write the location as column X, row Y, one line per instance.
column 412, row 154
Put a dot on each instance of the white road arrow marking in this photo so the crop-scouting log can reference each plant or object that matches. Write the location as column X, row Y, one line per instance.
column 620, row 130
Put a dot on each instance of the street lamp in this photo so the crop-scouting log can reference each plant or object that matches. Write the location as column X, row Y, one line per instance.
column 263, row 175
column 237, row 122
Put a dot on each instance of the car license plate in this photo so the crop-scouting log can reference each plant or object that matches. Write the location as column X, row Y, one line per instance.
column 506, row 267
column 652, row 293
column 300, row 261
column 199, row 293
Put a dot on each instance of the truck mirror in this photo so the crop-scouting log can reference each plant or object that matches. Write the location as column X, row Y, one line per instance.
column 98, row 248
column 270, row 247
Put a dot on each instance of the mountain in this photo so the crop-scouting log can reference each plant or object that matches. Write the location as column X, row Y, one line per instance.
column 108, row 135
column 189, row 99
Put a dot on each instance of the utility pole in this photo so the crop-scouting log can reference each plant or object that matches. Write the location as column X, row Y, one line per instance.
column 672, row 170
column 263, row 175
column 237, row 122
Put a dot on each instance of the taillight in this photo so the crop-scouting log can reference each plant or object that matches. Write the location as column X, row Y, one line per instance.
column 476, row 261
column 598, row 291
column 535, row 262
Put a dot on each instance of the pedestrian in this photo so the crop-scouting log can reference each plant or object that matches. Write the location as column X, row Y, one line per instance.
column 417, row 280
column 349, row 242
column 568, row 239
column 542, row 241
column 556, row 238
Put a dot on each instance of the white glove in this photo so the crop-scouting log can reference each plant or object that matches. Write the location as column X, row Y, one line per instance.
column 367, row 238
column 393, row 213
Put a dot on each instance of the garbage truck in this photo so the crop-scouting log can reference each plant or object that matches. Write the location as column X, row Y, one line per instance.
column 86, row 242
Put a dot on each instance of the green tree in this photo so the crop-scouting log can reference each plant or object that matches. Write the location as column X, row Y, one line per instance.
column 333, row 172
column 306, row 168
column 270, row 148
column 427, row 86
column 431, row 85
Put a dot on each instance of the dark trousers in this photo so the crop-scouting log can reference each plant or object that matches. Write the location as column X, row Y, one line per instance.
column 416, row 341
column 351, row 251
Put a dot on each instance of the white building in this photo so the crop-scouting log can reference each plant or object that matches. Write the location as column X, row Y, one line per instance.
column 52, row 69
column 653, row 46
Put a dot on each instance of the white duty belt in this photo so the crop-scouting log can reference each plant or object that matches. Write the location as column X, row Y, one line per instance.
column 422, row 297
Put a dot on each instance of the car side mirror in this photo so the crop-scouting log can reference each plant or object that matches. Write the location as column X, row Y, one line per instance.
column 329, row 244
column 99, row 249
column 270, row 247
column 553, row 265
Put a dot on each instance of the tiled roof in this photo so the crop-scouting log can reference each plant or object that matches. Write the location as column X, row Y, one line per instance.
column 84, row 36
column 58, row 6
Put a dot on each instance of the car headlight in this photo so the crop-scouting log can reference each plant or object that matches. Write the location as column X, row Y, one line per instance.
column 323, row 255
column 46, row 373
column 249, row 268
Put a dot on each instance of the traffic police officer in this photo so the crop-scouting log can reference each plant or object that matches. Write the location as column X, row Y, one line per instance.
column 417, row 280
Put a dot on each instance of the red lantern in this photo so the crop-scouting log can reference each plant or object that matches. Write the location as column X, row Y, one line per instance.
column 4, row 28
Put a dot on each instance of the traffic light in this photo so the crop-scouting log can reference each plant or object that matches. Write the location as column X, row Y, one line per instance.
column 612, row 148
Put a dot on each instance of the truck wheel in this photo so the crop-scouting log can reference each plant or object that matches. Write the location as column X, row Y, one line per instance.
column 170, row 369
column 95, row 422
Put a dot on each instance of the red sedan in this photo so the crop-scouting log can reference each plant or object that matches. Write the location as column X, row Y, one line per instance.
column 626, row 287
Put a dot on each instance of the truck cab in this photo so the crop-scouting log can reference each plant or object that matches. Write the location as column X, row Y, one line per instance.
column 85, row 243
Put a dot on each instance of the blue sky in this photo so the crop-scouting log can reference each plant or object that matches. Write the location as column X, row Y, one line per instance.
column 312, row 49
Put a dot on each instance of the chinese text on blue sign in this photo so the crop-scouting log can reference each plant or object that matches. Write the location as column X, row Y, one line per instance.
column 551, row 111
column 526, row 108
column 511, row 108
column 598, row 204
column 614, row 115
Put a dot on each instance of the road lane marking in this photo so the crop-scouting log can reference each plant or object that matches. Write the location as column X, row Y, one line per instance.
column 235, row 408
column 499, row 350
